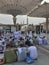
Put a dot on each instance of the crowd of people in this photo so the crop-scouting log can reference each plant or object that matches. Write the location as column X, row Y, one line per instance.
column 25, row 42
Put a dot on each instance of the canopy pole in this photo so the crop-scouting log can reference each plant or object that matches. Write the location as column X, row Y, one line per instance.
column 27, row 20
column 14, row 20
column 40, row 28
column 46, row 25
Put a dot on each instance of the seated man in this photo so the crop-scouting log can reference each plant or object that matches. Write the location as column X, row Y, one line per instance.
column 27, row 42
column 33, row 51
column 40, row 40
column 35, row 40
column 45, row 40
column 2, row 45
column 21, row 52
column 31, row 40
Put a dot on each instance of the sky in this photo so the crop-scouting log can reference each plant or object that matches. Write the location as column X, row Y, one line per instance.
column 8, row 19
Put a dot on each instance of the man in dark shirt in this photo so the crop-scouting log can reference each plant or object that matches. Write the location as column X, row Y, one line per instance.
column 27, row 42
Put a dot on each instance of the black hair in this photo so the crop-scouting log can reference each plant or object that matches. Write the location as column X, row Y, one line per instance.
column 43, row 36
column 21, row 45
column 31, row 44
column 21, row 38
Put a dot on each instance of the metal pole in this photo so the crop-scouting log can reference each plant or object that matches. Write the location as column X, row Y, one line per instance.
column 27, row 20
column 46, row 25
column 14, row 20
column 40, row 28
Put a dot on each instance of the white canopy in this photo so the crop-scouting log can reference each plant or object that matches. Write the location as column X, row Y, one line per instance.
column 6, row 19
column 22, row 19
column 16, row 7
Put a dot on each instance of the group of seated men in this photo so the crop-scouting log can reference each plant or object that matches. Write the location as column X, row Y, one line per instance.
column 24, row 43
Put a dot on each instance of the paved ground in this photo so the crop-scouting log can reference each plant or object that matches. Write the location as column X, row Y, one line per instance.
column 42, row 60
column 46, row 46
column 48, row 37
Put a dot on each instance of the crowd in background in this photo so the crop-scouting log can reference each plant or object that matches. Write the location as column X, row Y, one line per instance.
column 25, row 42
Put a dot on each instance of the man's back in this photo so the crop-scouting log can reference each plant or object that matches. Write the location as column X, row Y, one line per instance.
column 21, row 53
column 33, row 52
